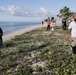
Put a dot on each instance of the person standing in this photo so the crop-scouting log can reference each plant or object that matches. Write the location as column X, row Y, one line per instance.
column 48, row 25
column 42, row 22
column 1, row 34
column 72, row 29
column 64, row 24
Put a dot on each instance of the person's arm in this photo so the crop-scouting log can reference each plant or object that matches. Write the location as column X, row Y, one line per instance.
column 68, row 35
column 69, row 29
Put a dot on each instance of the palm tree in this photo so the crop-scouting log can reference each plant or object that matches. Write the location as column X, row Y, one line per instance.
column 65, row 12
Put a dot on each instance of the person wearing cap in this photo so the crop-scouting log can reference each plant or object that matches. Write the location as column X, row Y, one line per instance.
column 72, row 29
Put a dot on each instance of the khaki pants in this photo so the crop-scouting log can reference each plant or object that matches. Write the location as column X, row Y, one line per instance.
column 73, row 41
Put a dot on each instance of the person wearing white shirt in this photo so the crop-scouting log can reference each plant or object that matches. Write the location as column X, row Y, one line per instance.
column 72, row 29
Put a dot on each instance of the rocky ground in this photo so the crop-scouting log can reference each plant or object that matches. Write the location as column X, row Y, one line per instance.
column 38, row 52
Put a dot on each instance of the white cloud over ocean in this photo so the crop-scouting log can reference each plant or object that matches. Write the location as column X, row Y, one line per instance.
column 23, row 11
column 14, row 10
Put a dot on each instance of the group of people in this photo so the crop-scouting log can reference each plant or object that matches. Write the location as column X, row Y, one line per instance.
column 64, row 24
column 71, row 28
column 48, row 24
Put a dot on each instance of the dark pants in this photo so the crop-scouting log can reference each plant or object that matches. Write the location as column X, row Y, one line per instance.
column 64, row 27
column 48, row 27
column 1, row 42
column 74, row 49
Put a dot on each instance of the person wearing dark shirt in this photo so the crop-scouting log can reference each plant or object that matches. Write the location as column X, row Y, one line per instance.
column 42, row 22
column 1, row 34
column 64, row 24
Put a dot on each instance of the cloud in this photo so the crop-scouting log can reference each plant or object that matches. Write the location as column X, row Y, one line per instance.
column 23, row 11
column 7, row 10
column 14, row 10
column 41, row 12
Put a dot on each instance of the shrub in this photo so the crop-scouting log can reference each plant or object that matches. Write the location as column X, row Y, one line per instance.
column 9, row 44
column 38, row 68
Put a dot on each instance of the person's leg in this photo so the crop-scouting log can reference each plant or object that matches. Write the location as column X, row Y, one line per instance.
column 73, row 49
column 49, row 27
column 62, row 26
column 65, row 27
column 0, row 43
column 74, row 45
column 0, row 46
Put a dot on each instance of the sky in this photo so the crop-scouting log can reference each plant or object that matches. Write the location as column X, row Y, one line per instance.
column 32, row 10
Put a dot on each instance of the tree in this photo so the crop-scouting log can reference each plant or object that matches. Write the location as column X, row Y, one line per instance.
column 47, row 19
column 65, row 12
column 52, row 18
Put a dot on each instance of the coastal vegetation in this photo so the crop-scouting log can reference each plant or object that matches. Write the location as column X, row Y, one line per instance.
column 38, row 52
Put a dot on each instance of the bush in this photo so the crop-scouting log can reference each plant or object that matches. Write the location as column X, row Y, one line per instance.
column 24, row 70
column 38, row 68
column 9, row 44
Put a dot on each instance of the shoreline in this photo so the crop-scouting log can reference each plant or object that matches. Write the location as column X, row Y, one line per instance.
column 19, row 29
column 19, row 32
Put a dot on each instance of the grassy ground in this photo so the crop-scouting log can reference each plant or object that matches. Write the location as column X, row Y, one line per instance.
column 38, row 52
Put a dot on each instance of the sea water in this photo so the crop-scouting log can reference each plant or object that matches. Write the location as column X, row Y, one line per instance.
column 9, row 27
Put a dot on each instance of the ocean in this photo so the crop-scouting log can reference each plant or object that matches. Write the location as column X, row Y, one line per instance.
column 9, row 27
